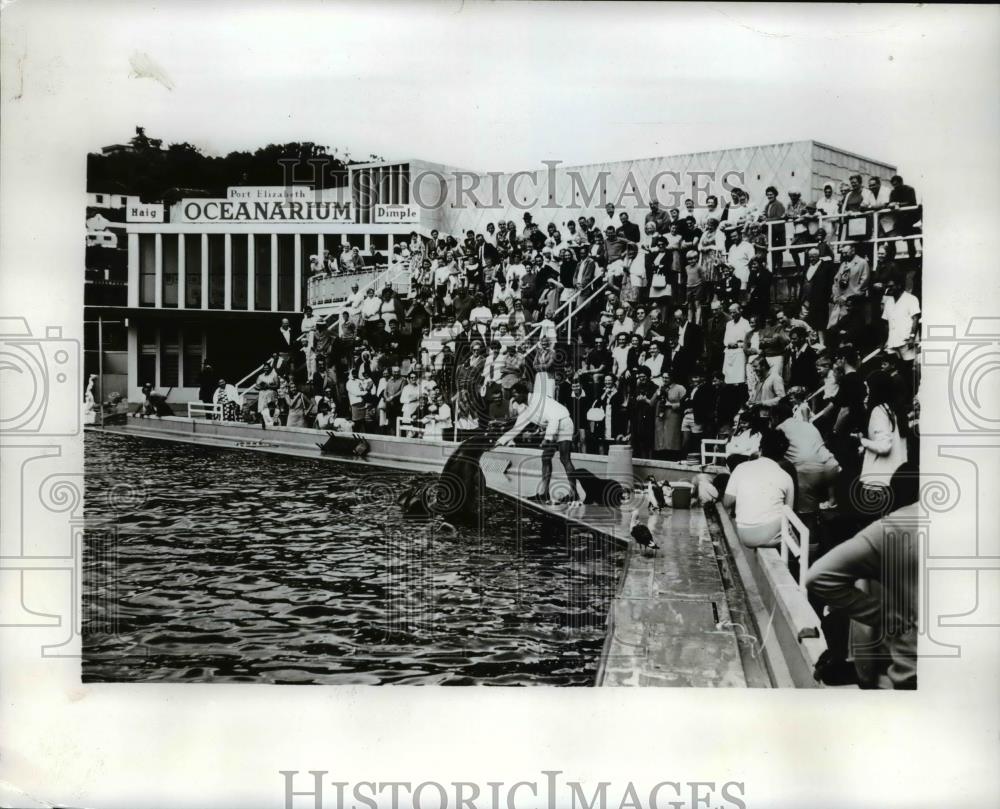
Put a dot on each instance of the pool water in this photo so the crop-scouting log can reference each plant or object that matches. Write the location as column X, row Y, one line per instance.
column 215, row 565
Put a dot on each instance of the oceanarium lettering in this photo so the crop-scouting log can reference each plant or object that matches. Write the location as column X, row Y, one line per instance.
column 227, row 210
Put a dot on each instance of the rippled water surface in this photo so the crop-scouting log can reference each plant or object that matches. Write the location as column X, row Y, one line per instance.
column 205, row 564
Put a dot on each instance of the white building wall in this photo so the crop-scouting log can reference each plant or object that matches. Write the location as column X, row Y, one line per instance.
column 561, row 193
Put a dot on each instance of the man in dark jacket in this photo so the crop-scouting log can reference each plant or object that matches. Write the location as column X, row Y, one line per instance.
column 699, row 407
column 689, row 343
column 817, row 283
column 628, row 230
column 802, row 371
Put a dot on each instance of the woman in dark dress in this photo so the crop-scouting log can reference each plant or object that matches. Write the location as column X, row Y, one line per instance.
column 642, row 414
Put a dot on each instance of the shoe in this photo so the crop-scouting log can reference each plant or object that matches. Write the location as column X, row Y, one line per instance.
column 827, row 506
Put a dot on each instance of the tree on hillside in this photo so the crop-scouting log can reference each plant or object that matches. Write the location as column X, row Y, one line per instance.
column 150, row 172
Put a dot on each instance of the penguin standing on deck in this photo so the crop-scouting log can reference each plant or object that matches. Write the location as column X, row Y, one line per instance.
column 654, row 494
column 642, row 535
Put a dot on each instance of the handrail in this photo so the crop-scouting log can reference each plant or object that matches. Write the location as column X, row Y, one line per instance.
column 798, row 544
column 563, row 305
column 569, row 317
column 875, row 239
column 253, row 373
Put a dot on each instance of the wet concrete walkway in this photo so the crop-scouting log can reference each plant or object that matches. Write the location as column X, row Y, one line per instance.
column 670, row 622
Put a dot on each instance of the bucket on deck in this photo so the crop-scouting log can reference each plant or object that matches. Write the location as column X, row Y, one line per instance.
column 680, row 494
column 619, row 466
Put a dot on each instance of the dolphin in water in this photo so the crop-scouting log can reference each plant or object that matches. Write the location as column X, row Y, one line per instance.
column 457, row 493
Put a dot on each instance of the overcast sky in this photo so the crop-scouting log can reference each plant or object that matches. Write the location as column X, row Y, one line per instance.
column 503, row 86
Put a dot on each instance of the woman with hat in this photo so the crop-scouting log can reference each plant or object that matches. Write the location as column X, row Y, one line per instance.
column 667, row 404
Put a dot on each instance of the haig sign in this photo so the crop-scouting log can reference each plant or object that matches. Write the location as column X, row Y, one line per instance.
column 200, row 211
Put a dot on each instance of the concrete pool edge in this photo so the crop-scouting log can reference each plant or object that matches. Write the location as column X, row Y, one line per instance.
column 780, row 609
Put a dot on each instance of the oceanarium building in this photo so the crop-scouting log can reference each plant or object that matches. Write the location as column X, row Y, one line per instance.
column 213, row 278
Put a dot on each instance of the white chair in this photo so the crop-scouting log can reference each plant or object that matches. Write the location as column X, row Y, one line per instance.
column 713, row 452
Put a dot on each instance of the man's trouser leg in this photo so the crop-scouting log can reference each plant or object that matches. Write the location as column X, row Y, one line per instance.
column 565, row 457
column 547, row 453
column 893, row 615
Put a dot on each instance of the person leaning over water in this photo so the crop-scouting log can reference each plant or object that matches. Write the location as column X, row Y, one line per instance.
column 558, row 425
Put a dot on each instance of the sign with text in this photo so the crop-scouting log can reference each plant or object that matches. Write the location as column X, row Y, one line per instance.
column 143, row 211
column 391, row 214
column 230, row 210
column 270, row 193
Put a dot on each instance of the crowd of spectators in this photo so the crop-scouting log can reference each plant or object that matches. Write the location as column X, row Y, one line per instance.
column 675, row 331
column 676, row 335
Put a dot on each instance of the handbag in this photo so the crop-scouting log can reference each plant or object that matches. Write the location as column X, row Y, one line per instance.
column 595, row 414
column 659, row 281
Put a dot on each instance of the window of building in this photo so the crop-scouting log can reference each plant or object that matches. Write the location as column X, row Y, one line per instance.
column 193, row 356
column 146, row 360
column 216, row 271
column 262, row 271
column 238, row 256
column 192, row 270
column 170, row 357
column 169, row 247
column 286, row 271
column 147, row 269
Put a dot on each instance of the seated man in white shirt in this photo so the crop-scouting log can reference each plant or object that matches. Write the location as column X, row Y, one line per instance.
column 621, row 323
column 760, row 490
column 559, row 429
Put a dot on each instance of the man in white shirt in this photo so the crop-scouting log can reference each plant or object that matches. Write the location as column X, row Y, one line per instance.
column 733, row 358
column 559, row 430
column 308, row 321
column 622, row 323
column 901, row 311
column 354, row 303
column 877, row 197
column 306, row 340
column 760, row 489
column 653, row 360
column 739, row 258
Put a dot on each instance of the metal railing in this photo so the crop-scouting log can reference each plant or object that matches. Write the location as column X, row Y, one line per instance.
column 795, row 541
column 568, row 320
column 204, row 410
column 843, row 220
column 568, row 303
column 240, row 390
column 325, row 289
